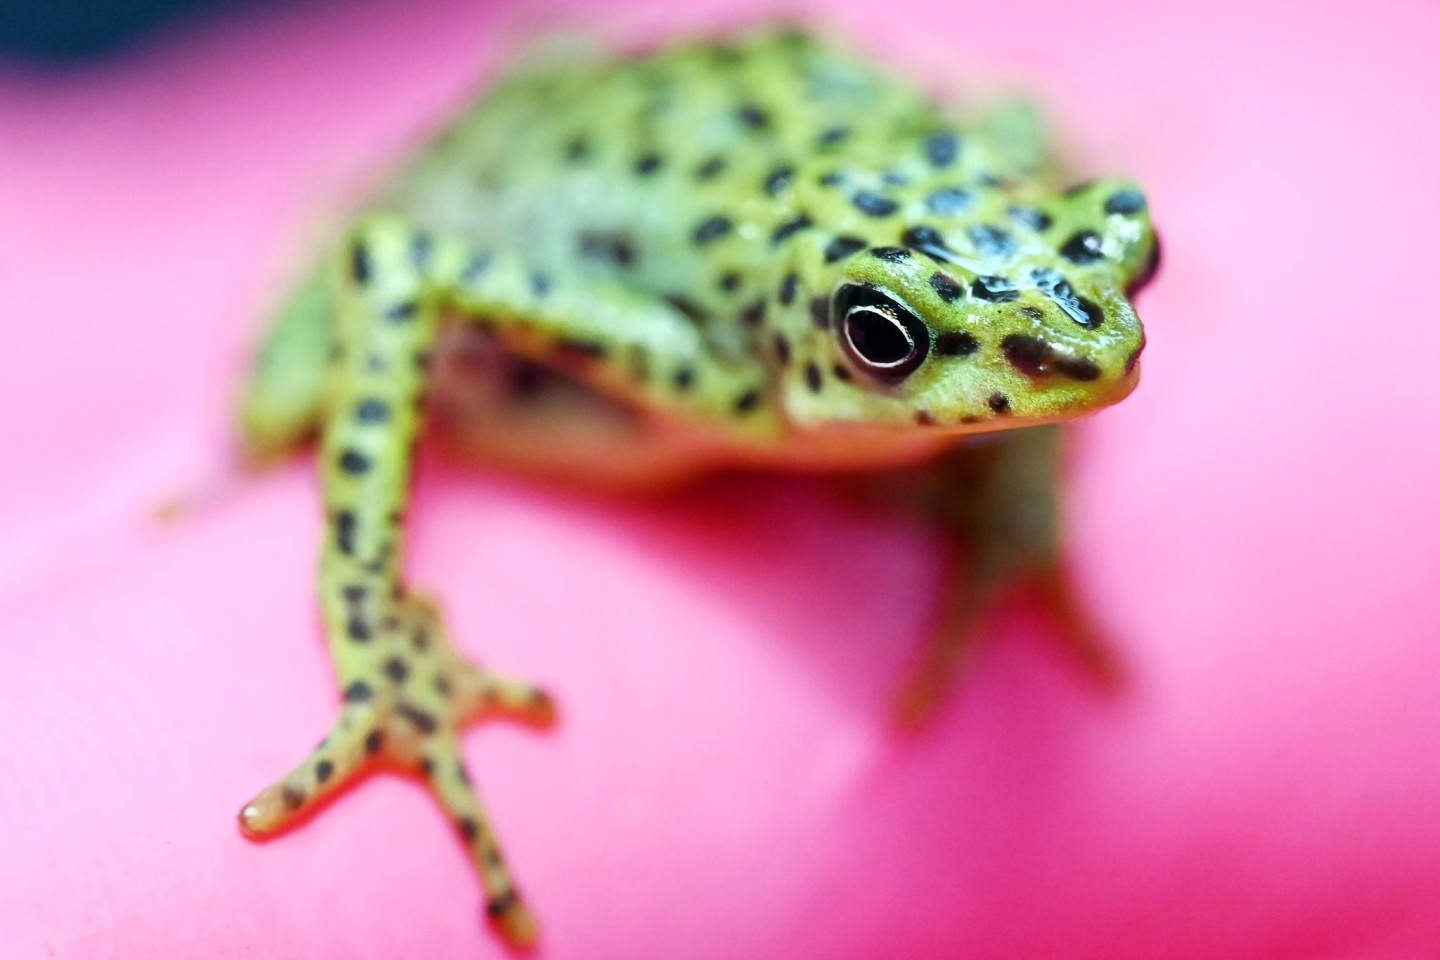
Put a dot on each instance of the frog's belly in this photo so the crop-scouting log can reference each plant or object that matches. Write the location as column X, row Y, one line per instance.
column 490, row 407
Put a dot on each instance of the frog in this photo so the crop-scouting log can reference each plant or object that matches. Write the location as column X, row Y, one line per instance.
column 756, row 251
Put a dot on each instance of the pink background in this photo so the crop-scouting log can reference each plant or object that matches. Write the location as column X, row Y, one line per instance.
column 1257, row 524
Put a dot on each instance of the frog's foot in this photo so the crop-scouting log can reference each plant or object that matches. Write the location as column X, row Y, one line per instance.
column 404, row 707
column 929, row 685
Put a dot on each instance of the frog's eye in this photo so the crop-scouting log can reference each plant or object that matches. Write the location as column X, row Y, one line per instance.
column 880, row 335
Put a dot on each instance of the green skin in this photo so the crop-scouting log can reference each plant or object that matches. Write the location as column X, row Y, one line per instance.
column 763, row 254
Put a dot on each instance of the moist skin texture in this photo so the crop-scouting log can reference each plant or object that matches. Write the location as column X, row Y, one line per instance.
column 754, row 252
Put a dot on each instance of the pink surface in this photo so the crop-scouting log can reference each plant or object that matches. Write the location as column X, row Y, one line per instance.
column 1258, row 524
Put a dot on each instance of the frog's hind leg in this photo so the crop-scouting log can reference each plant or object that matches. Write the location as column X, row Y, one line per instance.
column 997, row 503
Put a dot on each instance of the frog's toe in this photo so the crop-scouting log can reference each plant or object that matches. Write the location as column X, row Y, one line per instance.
column 336, row 761
column 445, row 771
column 1082, row 638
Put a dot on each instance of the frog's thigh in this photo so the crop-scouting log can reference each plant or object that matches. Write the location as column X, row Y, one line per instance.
column 407, row 691
column 999, row 506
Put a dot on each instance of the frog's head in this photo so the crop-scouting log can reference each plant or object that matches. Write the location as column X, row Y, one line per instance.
column 971, row 326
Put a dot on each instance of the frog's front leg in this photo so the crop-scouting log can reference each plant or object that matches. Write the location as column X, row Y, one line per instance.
column 997, row 502
column 407, row 691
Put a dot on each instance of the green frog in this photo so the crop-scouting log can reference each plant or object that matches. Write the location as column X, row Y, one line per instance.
column 757, row 252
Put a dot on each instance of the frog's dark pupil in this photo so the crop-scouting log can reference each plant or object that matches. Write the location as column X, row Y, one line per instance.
column 877, row 337
column 881, row 336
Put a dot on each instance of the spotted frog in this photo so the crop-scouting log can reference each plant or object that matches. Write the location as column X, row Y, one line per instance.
column 757, row 253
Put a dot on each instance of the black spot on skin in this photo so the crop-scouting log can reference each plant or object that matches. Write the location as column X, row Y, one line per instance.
column 355, row 593
column 782, row 350
column 358, row 692
column 1082, row 247
column 1125, row 202
column 1032, row 217
column 323, row 769
column 753, row 315
column 1075, row 189
column 611, row 247
column 874, row 204
column 422, row 720
column 711, row 229
column 842, row 247
column 991, row 241
column 684, row 378
column 647, row 164
column 832, row 179
column 994, row 290
column 294, row 799
column 833, row 136
column 969, row 418
column 752, row 116
column 730, row 281
column 396, row 669
column 890, row 254
column 360, row 269
column 475, row 267
column 358, row 629
column 1036, row 358
column 469, row 829
column 779, row 180
column 373, row 740
column 789, row 228
column 747, row 401
column 813, row 378
column 841, row 373
column 539, row 284
column 422, row 246
column 820, row 312
column 354, row 463
column 929, row 242
column 501, row 904
column 924, row 418
column 689, row 308
column 402, row 312
column 788, row 288
column 949, row 201
column 577, row 148
column 942, row 148
column 1078, row 368
column 1093, row 315
column 945, row 288
column 894, row 178
column 1058, row 289
column 710, row 169
column 442, row 685
column 956, row 344
column 427, row 766
column 345, row 532
column 999, row 403
column 372, row 410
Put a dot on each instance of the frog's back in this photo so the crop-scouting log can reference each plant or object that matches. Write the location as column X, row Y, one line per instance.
column 619, row 166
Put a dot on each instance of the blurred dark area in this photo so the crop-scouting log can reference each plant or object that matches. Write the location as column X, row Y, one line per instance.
column 74, row 31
